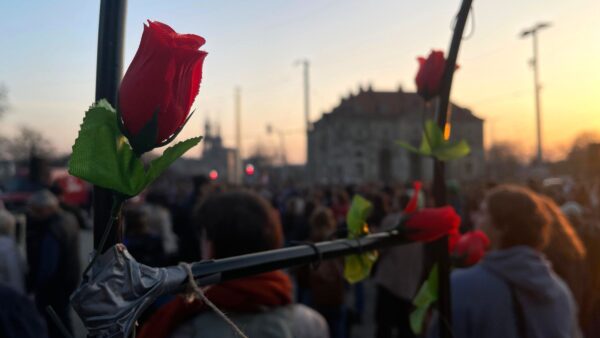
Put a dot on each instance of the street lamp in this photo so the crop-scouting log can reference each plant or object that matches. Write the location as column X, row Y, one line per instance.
column 534, row 63
column 281, row 134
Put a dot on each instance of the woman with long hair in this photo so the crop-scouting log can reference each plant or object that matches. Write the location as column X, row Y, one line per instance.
column 513, row 291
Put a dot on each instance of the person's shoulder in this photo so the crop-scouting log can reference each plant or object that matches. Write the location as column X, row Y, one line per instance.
column 563, row 294
column 467, row 275
column 475, row 280
column 267, row 324
column 305, row 322
column 289, row 321
column 64, row 223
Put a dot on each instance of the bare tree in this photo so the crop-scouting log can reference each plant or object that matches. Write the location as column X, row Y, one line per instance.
column 29, row 142
column 584, row 139
column 583, row 157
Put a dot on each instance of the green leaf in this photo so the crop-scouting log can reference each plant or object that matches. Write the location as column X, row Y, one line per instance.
column 102, row 156
column 433, row 134
column 358, row 267
column 427, row 295
column 425, row 147
column 159, row 165
column 451, row 151
column 356, row 219
column 421, row 151
column 434, row 145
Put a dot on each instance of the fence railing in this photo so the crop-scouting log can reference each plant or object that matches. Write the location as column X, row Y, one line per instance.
column 218, row 270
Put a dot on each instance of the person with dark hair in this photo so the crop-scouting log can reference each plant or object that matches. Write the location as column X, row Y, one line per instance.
column 143, row 244
column 71, row 209
column 322, row 287
column 53, row 257
column 234, row 224
column 513, row 291
column 397, row 278
column 160, row 221
column 183, row 217
column 340, row 204
column 381, row 207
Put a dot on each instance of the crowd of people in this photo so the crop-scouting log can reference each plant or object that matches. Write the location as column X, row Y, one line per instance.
column 539, row 279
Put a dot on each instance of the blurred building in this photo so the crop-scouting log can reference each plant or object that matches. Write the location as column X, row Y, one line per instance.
column 217, row 157
column 355, row 142
column 216, row 161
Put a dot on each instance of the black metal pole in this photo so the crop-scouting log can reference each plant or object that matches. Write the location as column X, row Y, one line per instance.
column 219, row 270
column 109, row 69
column 440, row 247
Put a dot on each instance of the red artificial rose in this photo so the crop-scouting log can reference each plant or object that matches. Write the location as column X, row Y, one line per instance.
column 163, row 78
column 430, row 224
column 429, row 76
column 471, row 247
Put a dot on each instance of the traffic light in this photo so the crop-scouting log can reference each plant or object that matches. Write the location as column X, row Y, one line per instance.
column 249, row 169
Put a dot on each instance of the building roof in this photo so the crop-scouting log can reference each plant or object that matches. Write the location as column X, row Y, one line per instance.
column 392, row 104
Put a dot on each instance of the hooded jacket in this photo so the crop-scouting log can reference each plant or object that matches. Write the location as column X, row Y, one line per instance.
column 483, row 298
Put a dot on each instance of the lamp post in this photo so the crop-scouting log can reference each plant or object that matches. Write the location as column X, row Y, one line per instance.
column 536, row 81
column 305, row 63
column 281, row 134
column 109, row 69
column 238, row 135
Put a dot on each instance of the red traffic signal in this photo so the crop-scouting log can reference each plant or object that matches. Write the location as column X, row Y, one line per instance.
column 249, row 169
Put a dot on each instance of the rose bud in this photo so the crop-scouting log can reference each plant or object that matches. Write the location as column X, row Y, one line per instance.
column 471, row 247
column 159, row 87
column 429, row 76
column 430, row 224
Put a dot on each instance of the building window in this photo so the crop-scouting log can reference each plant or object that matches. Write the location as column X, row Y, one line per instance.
column 385, row 165
column 360, row 170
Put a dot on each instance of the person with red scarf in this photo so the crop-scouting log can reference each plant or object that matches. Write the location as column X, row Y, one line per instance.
column 234, row 224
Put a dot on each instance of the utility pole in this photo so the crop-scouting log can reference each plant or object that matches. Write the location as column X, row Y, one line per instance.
column 536, row 81
column 238, row 134
column 109, row 70
column 282, row 150
column 305, row 70
column 306, row 65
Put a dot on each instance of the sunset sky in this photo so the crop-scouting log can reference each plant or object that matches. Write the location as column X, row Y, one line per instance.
column 48, row 59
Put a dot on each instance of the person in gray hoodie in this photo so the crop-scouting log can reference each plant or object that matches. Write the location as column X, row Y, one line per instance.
column 513, row 292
